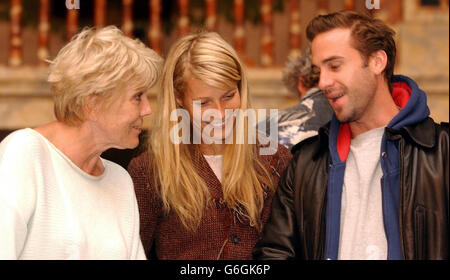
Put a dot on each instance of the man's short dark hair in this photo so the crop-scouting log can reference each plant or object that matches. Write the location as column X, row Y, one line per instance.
column 368, row 35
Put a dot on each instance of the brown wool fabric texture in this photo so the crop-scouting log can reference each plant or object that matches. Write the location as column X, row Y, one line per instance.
column 222, row 233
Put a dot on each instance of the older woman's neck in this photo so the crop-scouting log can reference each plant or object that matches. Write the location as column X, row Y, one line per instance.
column 78, row 143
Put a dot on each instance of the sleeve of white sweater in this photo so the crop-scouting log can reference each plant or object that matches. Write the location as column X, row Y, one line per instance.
column 17, row 194
column 138, row 252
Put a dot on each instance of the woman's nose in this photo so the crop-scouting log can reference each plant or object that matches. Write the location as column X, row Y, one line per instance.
column 146, row 109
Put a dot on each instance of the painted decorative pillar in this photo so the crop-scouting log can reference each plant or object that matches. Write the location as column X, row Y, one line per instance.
column 267, row 55
column 183, row 21
column 43, row 31
column 127, row 17
column 349, row 5
column 392, row 15
column 295, row 38
column 211, row 14
column 155, row 27
column 100, row 13
column 322, row 7
column 239, row 29
column 15, row 34
column 72, row 23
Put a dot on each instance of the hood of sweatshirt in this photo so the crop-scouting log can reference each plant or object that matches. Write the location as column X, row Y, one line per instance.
column 406, row 94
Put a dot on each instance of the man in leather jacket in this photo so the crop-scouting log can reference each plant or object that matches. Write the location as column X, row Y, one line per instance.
column 374, row 183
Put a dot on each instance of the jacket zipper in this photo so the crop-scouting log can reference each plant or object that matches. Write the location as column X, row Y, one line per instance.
column 383, row 200
column 400, row 195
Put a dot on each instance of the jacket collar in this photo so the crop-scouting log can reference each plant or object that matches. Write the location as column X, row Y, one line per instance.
column 422, row 133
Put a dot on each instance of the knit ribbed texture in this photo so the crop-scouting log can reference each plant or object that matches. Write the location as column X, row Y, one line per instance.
column 51, row 209
column 221, row 235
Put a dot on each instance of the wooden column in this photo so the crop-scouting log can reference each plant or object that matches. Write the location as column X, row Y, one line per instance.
column 15, row 33
column 349, row 5
column 322, row 7
column 43, row 31
column 100, row 13
column 72, row 23
column 127, row 17
column 155, row 27
column 267, row 36
column 239, row 29
column 183, row 21
column 295, row 38
column 391, row 14
column 211, row 14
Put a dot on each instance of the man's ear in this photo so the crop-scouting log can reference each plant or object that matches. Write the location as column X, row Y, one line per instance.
column 378, row 62
column 301, row 87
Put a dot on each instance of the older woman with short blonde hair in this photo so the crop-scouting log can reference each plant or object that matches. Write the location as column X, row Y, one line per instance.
column 58, row 198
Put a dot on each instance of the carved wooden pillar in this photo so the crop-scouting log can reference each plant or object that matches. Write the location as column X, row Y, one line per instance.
column 239, row 29
column 183, row 21
column 349, row 5
column 211, row 14
column 43, row 31
column 267, row 36
column 15, row 34
column 72, row 23
column 99, row 13
column 295, row 38
column 127, row 17
column 155, row 29
column 391, row 14
column 322, row 7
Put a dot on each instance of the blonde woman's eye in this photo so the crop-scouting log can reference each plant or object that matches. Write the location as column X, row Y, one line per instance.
column 203, row 102
column 229, row 96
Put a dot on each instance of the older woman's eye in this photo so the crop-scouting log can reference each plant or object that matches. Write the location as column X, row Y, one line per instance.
column 138, row 96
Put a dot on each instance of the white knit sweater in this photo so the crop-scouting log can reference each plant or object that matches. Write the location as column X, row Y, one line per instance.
column 51, row 209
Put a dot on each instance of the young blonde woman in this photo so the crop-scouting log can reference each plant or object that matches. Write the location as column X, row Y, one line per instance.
column 205, row 200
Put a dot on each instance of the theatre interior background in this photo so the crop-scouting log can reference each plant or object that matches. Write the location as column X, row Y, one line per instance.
column 264, row 33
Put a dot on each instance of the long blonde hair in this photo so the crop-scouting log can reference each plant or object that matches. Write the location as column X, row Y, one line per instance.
column 210, row 59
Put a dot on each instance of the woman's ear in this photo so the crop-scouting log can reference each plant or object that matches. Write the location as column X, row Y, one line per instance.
column 179, row 102
column 378, row 62
column 91, row 107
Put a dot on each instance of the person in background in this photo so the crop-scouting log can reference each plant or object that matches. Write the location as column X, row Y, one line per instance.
column 374, row 183
column 203, row 200
column 304, row 119
column 58, row 198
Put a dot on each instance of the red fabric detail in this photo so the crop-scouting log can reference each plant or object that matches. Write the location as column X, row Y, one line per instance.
column 343, row 141
column 401, row 93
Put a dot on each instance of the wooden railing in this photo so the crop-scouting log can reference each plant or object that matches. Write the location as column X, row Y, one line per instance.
column 25, row 96
column 155, row 32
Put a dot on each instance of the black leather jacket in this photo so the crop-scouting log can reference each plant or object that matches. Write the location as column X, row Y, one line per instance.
column 296, row 228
